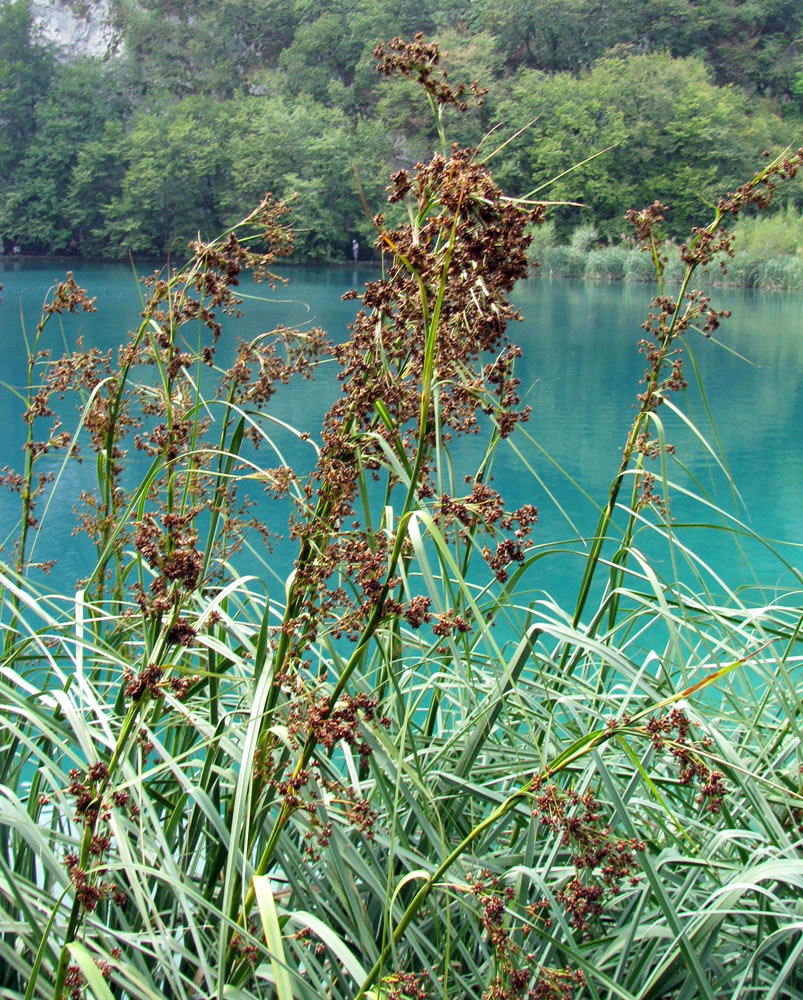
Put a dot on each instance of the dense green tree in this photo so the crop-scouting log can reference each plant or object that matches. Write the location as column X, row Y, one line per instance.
column 94, row 184
column 323, row 52
column 570, row 35
column 25, row 74
column 210, row 47
column 178, row 171
column 755, row 43
column 69, row 118
column 796, row 102
column 303, row 148
column 208, row 105
column 678, row 138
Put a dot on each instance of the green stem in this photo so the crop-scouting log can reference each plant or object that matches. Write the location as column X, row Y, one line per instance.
column 606, row 518
column 578, row 750
column 377, row 613
column 668, row 336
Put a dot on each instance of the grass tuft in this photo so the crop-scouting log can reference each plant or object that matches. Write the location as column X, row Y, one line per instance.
column 348, row 782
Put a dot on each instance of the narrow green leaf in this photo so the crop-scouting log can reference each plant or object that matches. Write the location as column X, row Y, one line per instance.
column 273, row 936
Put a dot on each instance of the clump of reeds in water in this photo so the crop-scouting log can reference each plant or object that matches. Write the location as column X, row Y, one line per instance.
column 347, row 786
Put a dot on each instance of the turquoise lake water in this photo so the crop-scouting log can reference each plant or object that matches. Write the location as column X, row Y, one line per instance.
column 581, row 370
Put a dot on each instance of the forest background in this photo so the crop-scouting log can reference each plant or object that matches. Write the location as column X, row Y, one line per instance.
column 196, row 110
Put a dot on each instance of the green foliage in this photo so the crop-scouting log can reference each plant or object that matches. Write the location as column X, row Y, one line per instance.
column 639, row 266
column 670, row 133
column 756, row 265
column 754, row 45
column 175, row 179
column 175, row 50
column 606, row 264
column 393, row 773
column 94, row 185
column 323, row 51
column 570, row 124
column 554, row 36
column 301, row 147
column 582, row 238
column 797, row 96
column 556, row 261
column 41, row 201
column 777, row 235
column 781, row 273
column 542, row 239
column 25, row 74
column 645, row 79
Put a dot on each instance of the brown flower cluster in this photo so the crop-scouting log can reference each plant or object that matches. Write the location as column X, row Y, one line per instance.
column 665, row 324
column 405, row 986
column 74, row 980
column 710, row 242
column 484, row 511
column 647, row 223
column 672, row 732
column 68, row 296
column 603, row 863
column 260, row 367
column 518, row 974
column 93, row 808
column 166, row 536
column 168, row 544
column 247, row 946
column 79, row 371
column 89, row 889
column 329, row 726
column 163, row 410
column 759, row 191
column 706, row 243
column 151, row 681
column 312, row 719
column 419, row 60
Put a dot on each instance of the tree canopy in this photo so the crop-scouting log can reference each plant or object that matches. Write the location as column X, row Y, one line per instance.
column 207, row 106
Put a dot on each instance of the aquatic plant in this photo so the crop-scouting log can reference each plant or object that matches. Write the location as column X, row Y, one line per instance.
column 353, row 783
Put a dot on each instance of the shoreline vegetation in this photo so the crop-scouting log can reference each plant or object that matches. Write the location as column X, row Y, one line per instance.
column 139, row 150
column 348, row 783
column 774, row 274
column 768, row 255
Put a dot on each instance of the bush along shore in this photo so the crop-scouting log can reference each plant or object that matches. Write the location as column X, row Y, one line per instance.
column 768, row 254
column 348, row 783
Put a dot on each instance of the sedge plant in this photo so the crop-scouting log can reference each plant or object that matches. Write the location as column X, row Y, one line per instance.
column 349, row 783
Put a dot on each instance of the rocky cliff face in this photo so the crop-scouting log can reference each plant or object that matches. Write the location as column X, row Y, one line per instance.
column 76, row 28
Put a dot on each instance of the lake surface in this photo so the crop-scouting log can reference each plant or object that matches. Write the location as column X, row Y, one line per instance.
column 581, row 370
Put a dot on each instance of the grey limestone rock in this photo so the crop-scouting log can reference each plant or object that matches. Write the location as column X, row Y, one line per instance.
column 76, row 28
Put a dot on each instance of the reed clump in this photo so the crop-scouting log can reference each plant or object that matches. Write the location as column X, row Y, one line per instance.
column 769, row 256
column 352, row 783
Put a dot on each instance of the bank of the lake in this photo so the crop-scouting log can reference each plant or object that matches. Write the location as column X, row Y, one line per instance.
column 783, row 272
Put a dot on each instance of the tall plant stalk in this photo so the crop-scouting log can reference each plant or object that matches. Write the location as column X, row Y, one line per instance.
column 351, row 786
column 673, row 318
